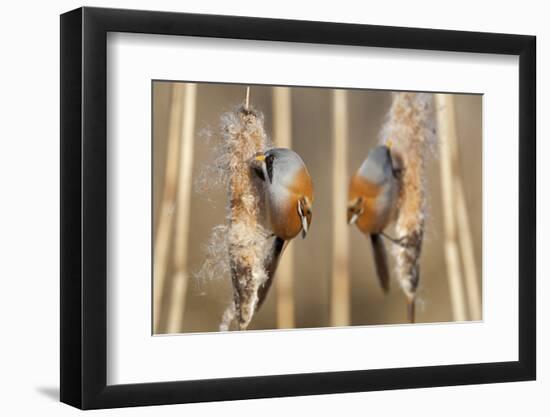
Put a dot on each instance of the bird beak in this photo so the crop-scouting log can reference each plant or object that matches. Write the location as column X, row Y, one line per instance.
column 258, row 164
column 353, row 218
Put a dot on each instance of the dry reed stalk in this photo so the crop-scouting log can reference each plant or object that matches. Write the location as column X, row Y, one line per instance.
column 340, row 294
column 164, row 232
column 448, row 164
column 467, row 251
column 409, row 128
column 183, row 208
column 247, row 98
column 284, row 278
column 464, row 230
column 243, row 136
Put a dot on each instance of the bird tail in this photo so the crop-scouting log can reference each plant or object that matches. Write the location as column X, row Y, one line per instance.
column 270, row 264
column 380, row 261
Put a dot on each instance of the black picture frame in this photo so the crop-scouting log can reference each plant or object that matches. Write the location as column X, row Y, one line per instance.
column 84, row 207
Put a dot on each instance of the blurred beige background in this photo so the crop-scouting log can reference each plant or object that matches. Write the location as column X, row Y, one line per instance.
column 206, row 300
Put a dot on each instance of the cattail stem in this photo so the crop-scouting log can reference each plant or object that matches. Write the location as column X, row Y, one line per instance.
column 163, row 237
column 247, row 98
column 448, row 164
column 411, row 307
column 183, row 208
column 340, row 295
column 282, row 136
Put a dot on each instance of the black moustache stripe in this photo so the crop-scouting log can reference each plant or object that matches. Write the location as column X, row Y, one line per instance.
column 269, row 167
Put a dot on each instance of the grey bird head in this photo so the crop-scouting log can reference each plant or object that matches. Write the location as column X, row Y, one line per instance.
column 278, row 166
column 377, row 168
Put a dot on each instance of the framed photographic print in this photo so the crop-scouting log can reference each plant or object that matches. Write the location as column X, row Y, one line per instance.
column 257, row 208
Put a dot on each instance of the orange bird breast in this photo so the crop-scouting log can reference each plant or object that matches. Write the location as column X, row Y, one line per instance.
column 302, row 185
column 286, row 222
column 371, row 219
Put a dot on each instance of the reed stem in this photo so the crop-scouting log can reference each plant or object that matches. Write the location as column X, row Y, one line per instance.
column 340, row 295
column 448, row 164
column 183, row 209
column 284, row 278
column 164, row 233
column 464, row 230
column 247, row 98
column 467, row 251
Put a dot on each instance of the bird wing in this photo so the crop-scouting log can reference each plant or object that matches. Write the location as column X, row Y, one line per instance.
column 270, row 264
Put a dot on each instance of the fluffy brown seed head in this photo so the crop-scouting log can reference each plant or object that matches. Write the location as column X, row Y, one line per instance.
column 244, row 136
column 239, row 247
column 410, row 128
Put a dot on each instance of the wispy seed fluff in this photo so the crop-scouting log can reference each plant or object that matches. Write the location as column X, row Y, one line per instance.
column 241, row 243
column 409, row 128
